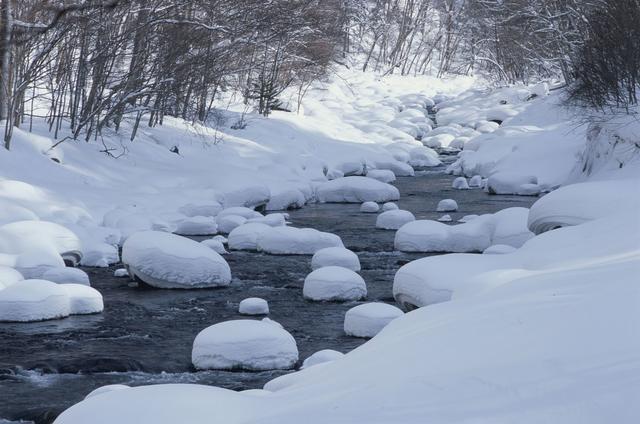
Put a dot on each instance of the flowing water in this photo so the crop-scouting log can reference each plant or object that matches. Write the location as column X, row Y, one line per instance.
column 144, row 336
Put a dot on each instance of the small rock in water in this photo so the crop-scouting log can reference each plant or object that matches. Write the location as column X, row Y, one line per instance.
column 389, row 206
column 253, row 306
column 447, row 205
column 121, row 273
column 460, row 183
column 394, row 219
column 369, row 207
column 445, row 218
column 334, row 283
column 320, row 357
column 369, row 319
column 335, row 256
column 476, row 181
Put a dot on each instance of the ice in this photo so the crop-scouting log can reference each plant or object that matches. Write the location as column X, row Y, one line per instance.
column 66, row 275
column 447, row 205
column 228, row 223
column 245, row 237
column 197, row 226
column 513, row 183
column 334, row 283
column 295, row 241
column 476, row 181
column 9, row 276
column 253, row 306
column 383, row 175
column 215, row 245
column 321, row 357
column 356, row 190
column 106, row 389
column 83, row 299
column 33, row 300
column 498, row 249
column 201, row 209
column 169, row 261
column 244, row 344
column 121, row 273
column 460, row 183
column 445, row 218
column 335, row 256
column 394, row 219
column 369, row 207
column 369, row 319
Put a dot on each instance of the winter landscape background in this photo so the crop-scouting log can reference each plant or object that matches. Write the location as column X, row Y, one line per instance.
column 381, row 211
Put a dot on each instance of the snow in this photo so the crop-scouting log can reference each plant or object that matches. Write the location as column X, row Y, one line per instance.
column 245, row 237
column 200, row 209
column 106, row 389
column 165, row 260
column 513, row 183
column 34, row 300
column 389, row 206
column 447, row 205
column 215, row 245
column 244, row 344
column 335, row 256
column 9, row 276
column 423, row 156
column 228, row 223
column 196, row 226
column 445, row 218
column 253, row 306
column 356, row 190
column 272, row 219
column 460, row 183
column 295, row 241
column 121, row 273
column 476, row 181
column 394, row 219
column 369, row 319
column 369, row 207
column 334, row 283
column 498, row 249
column 242, row 211
column 66, row 275
column 384, row 175
column 321, row 357
column 83, row 299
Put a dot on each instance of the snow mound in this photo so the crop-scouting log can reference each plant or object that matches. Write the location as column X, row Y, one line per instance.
column 201, row 209
column 242, row 211
column 253, row 306
column 228, row 223
column 245, row 237
column 244, row 344
column 384, row 175
column 423, row 156
column 369, row 207
column 334, row 283
column 272, row 220
column 460, row 183
column 394, row 219
column 34, row 300
column 295, row 241
column 169, row 261
column 498, row 249
column 389, row 206
column 286, row 198
column 321, row 357
column 9, row 276
column 447, row 205
column 215, row 245
column 196, row 226
column 83, row 299
column 369, row 319
column 476, row 181
column 335, row 256
column 106, row 389
column 513, row 183
column 66, row 276
column 356, row 190
column 445, row 218
column 121, row 273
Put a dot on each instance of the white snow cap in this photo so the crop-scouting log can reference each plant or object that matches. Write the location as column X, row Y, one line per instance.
column 201, row 209
column 66, row 275
column 295, row 241
column 106, row 389
column 369, row 319
column 460, row 183
column 245, row 237
column 513, row 183
column 214, row 244
column 394, row 219
column 253, row 306
column 389, row 206
column 9, row 276
column 228, row 223
column 196, row 226
column 356, row 190
column 34, row 300
column 475, row 181
column 334, row 283
column 242, row 211
column 498, row 249
column 121, row 273
column 244, row 344
column 445, row 218
column 369, row 207
column 170, row 261
column 335, row 256
column 83, row 299
column 447, row 205
column 321, row 357
column 384, row 175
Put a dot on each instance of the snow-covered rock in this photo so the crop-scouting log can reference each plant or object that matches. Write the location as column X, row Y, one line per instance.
column 389, row 206
column 9, row 276
column 460, row 183
column 121, row 273
column 201, row 209
column 215, row 245
column 242, row 211
column 356, row 190
column 83, row 299
column 447, row 205
column 295, row 241
column 335, row 256
column 476, row 181
column 34, row 300
column 513, row 183
column 253, row 306
column 423, row 156
column 106, row 389
column 334, row 283
column 245, row 237
column 498, row 249
column 170, row 261
column 321, row 357
column 244, row 344
column 272, row 219
column 228, row 223
column 196, row 226
column 445, row 218
column 394, row 219
column 369, row 207
column 66, row 276
column 369, row 319
column 384, row 175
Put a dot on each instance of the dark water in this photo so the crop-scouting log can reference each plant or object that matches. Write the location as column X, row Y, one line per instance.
column 144, row 336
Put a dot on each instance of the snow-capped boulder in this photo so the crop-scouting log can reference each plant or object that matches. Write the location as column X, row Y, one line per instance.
column 335, row 256
column 447, row 205
column 33, row 300
column 66, row 276
column 244, row 344
column 33, row 263
column 242, row 211
column 253, row 306
column 498, row 249
column 510, row 227
column 369, row 319
column 215, row 245
column 383, row 175
column 423, row 156
column 286, row 198
column 350, row 168
column 121, row 273
column 165, row 260
column 394, row 219
column 106, row 389
column 356, row 190
column 334, row 283
column 460, row 183
column 228, row 223
column 295, row 241
column 513, row 183
column 333, row 174
column 9, row 276
column 475, row 181
column 196, row 226
column 389, row 206
column 321, row 357
column 245, row 237
column 272, row 219
column 83, row 299
column 201, row 209
column 369, row 207
column 445, row 218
